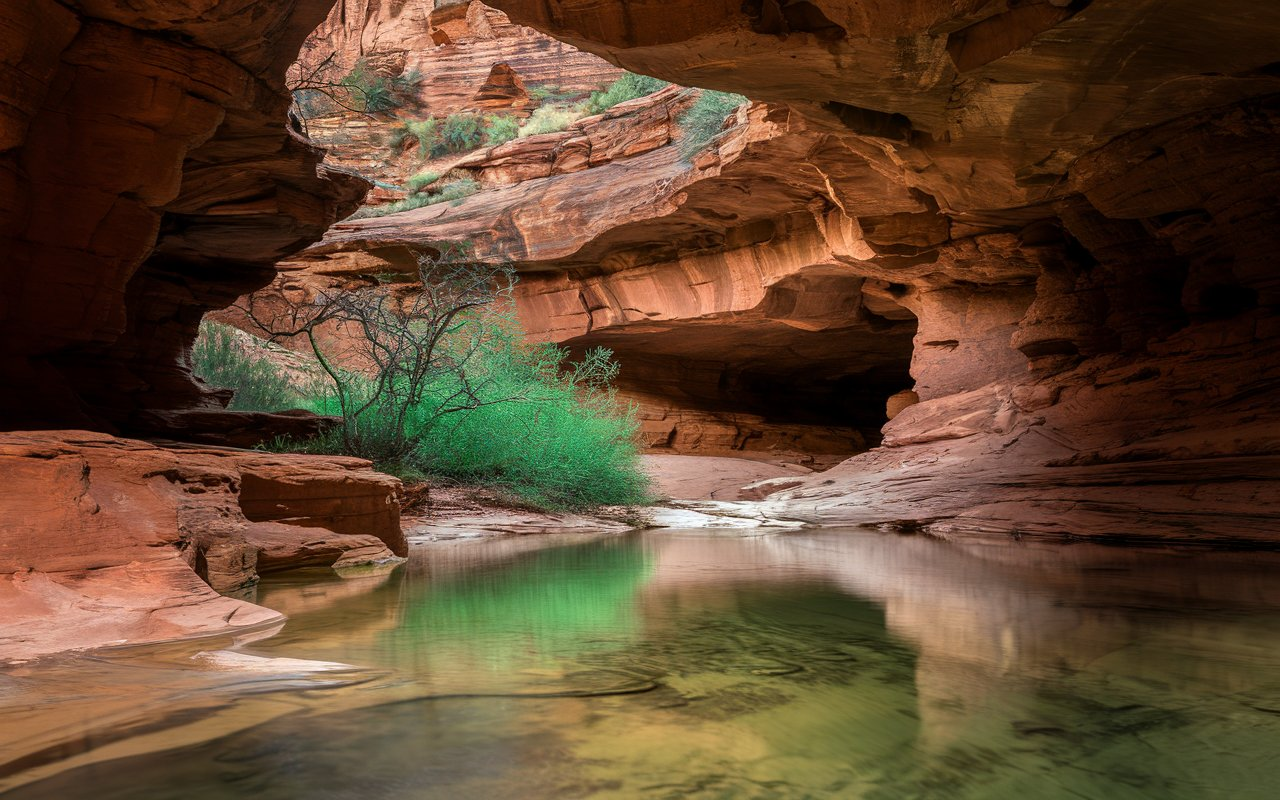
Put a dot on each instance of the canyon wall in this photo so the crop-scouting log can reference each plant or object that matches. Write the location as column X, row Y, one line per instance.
column 1033, row 241
column 1091, row 261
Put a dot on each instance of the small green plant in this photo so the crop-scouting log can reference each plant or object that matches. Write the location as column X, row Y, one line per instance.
column 229, row 359
column 549, row 119
column 460, row 133
column 370, row 91
column 705, row 119
column 425, row 132
column 628, row 87
column 499, row 129
column 421, row 181
column 455, row 191
column 451, row 192
column 542, row 92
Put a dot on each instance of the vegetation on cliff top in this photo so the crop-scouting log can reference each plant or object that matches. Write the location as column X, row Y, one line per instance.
column 705, row 119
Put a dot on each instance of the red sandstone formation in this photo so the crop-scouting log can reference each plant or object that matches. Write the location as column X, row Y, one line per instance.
column 452, row 46
column 1059, row 217
column 123, row 539
column 147, row 175
column 1091, row 262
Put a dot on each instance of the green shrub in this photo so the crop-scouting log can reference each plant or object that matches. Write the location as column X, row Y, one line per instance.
column 368, row 90
column 453, row 191
column 548, row 432
column 460, row 133
column 549, row 119
column 226, row 359
column 426, row 132
column 500, row 128
column 452, row 390
column 628, row 87
column 705, row 119
column 540, row 93
column 421, row 181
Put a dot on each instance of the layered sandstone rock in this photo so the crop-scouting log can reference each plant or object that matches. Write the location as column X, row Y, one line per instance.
column 1057, row 216
column 123, row 540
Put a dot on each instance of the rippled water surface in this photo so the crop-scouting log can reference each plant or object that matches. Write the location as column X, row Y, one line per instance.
column 694, row 665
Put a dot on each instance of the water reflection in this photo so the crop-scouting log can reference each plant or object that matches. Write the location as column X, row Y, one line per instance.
column 831, row 664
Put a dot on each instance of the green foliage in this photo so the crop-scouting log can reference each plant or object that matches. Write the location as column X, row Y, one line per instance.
column 426, row 132
column 500, row 128
column 369, row 91
column 455, row 191
column 450, row 389
column 225, row 359
column 548, row 432
column 565, row 443
column 542, row 92
column 460, row 133
column 705, row 119
column 549, row 119
column 421, row 181
column 628, row 87
column 451, row 192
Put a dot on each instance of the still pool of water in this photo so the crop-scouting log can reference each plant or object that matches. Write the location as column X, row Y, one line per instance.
column 841, row 664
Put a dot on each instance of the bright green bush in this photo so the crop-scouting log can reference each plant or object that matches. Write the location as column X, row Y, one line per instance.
column 227, row 360
column 705, row 119
column 547, row 432
column 500, row 128
column 450, row 389
column 628, row 87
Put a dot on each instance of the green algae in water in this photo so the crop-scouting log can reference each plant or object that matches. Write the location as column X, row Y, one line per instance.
column 834, row 664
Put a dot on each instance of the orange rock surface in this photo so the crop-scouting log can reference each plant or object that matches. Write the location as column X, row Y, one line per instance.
column 131, row 539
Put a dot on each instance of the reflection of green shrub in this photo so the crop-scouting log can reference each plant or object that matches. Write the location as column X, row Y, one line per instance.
column 705, row 119
column 500, row 128
column 226, row 360
column 628, row 87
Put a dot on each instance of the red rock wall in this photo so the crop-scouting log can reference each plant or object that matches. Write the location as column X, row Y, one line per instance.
column 147, row 175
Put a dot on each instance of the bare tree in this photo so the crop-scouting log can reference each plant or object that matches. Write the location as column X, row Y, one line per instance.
column 397, row 356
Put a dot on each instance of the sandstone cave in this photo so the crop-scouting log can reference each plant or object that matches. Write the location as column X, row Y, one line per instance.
column 935, row 452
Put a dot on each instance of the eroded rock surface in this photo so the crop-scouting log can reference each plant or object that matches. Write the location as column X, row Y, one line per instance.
column 123, row 540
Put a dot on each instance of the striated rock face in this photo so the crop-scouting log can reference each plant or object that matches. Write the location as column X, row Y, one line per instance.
column 454, row 47
column 1039, row 236
column 123, row 539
